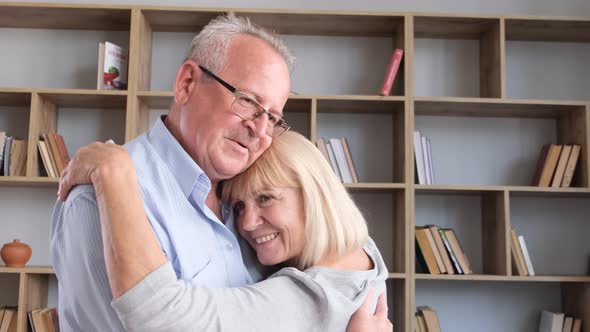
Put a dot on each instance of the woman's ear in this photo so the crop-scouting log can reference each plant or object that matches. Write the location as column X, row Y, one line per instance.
column 187, row 79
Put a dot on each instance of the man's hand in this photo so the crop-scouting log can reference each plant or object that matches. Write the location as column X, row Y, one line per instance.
column 364, row 320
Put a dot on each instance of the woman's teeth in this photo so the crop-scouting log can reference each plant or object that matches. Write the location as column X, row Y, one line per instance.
column 266, row 238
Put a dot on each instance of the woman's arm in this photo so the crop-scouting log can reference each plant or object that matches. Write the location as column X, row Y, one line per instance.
column 131, row 249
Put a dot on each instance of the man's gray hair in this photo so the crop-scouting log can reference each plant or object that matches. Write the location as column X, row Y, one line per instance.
column 209, row 47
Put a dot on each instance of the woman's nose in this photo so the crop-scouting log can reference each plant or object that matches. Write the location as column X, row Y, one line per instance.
column 250, row 218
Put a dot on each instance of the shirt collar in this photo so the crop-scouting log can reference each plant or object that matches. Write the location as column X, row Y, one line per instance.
column 184, row 169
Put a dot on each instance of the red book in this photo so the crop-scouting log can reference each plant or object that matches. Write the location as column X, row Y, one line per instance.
column 396, row 58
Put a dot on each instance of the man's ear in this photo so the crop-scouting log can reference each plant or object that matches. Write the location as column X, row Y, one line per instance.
column 187, row 79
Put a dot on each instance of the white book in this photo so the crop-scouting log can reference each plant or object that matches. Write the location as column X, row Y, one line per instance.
column 2, row 140
column 333, row 161
column 527, row 257
column 430, row 166
column 336, row 144
column 7, row 149
column 114, row 67
column 551, row 322
column 426, row 159
column 419, row 157
column 100, row 69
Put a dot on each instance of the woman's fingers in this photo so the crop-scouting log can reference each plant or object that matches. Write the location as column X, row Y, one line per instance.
column 382, row 309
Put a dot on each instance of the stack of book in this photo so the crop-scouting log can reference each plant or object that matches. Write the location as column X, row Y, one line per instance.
column 558, row 322
column 44, row 320
column 426, row 320
column 13, row 156
column 438, row 251
column 54, row 154
column 8, row 319
column 423, row 157
column 521, row 259
column 337, row 153
column 556, row 165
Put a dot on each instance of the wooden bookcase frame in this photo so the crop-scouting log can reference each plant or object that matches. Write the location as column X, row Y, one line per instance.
column 492, row 32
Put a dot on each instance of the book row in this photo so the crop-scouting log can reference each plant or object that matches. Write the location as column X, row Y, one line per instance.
column 54, row 154
column 558, row 322
column 337, row 153
column 13, row 155
column 521, row 259
column 39, row 320
column 438, row 251
column 556, row 165
column 426, row 320
column 423, row 158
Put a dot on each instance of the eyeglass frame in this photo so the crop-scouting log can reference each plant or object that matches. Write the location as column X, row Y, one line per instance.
column 281, row 123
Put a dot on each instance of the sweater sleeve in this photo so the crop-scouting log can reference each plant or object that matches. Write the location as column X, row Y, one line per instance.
column 161, row 302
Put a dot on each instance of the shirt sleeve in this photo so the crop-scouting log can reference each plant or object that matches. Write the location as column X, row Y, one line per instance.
column 161, row 302
column 78, row 259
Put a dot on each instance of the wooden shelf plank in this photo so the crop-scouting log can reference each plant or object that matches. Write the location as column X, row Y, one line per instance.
column 24, row 181
column 85, row 98
column 397, row 276
column 28, row 269
column 15, row 97
column 326, row 23
column 452, row 27
column 492, row 107
column 479, row 277
column 516, row 190
column 548, row 29
column 64, row 16
column 374, row 186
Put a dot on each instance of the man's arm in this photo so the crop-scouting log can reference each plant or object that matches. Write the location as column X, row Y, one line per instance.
column 364, row 320
column 78, row 261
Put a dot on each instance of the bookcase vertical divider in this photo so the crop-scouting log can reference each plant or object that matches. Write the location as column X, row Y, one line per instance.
column 43, row 119
column 313, row 120
column 573, row 127
column 141, row 51
column 494, row 207
column 491, row 52
column 32, row 295
column 576, row 302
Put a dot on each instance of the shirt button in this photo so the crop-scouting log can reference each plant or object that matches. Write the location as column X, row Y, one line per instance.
column 229, row 246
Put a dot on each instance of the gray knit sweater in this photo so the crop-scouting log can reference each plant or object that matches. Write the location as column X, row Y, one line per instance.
column 317, row 299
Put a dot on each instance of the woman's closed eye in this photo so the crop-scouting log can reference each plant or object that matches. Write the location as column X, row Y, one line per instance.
column 264, row 200
column 239, row 206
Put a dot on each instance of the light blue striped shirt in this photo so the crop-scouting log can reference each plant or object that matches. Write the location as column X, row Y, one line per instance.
column 200, row 247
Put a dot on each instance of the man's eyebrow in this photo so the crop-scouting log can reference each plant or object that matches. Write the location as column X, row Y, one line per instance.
column 257, row 97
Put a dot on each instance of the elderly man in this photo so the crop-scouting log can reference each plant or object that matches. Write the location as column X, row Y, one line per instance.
column 205, row 138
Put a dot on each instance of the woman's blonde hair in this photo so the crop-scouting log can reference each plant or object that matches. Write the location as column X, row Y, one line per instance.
column 334, row 226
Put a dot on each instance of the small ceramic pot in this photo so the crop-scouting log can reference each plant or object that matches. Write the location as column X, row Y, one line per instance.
column 15, row 254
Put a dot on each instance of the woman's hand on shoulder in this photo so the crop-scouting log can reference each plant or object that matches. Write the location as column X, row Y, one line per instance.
column 364, row 320
column 94, row 163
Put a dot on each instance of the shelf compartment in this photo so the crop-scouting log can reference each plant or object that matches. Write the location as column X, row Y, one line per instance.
column 385, row 212
column 474, row 42
column 555, row 231
column 363, row 123
column 71, row 114
column 62, row 16
column 479, row 222
column 548, row 29
column 508, row 306
column 508, row 135
column 422, row 189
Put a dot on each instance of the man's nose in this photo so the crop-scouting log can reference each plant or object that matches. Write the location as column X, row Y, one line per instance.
column 257, row 127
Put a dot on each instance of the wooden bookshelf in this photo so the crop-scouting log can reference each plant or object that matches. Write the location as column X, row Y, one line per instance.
column 397, row 187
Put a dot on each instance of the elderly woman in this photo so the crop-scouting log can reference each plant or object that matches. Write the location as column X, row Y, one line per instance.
column 292, row 211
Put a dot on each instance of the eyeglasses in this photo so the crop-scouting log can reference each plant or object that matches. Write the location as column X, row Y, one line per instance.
column 247, row 108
